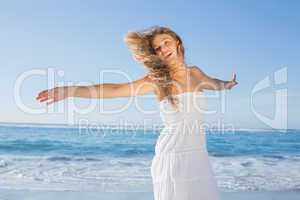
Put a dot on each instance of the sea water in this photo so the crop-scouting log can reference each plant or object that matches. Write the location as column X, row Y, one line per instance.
column 63, row 158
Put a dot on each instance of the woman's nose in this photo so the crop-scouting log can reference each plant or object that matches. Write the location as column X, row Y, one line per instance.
column 164, row 49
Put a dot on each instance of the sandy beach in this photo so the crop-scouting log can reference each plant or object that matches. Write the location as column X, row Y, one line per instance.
column 65, row 195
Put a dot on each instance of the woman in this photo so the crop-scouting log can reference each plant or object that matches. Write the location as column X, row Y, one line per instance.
column 180, row 168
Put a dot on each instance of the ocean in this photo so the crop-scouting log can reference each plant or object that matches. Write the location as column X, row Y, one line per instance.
column 63, row 158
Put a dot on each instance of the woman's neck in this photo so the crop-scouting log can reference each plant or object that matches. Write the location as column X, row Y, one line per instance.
column 176, row 67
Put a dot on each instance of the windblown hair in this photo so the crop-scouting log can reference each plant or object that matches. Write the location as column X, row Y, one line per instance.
column 140, row 43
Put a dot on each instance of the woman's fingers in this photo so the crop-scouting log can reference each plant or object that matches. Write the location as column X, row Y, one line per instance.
column 53, row 100
column 45, row 95
column 50, row 102
column 234, row 77
column 47, row 98
column 42, row 94
column 233, row 82
column 52, row 95
column 43, row 99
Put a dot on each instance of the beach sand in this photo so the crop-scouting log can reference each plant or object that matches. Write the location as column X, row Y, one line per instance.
column 6, row 194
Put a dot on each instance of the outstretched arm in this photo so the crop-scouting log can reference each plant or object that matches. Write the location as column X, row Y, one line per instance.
column 209, row 83
column 106, row 90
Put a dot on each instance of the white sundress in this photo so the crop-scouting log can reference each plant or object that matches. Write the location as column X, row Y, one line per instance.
column 180, row 168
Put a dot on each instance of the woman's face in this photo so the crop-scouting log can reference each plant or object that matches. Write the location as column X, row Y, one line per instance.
column 165, row 46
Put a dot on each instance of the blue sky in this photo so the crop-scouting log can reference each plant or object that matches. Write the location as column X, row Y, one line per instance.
column 83, row 38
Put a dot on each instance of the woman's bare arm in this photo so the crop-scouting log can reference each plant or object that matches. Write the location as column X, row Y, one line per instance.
column 106, row 90
column 206, row 82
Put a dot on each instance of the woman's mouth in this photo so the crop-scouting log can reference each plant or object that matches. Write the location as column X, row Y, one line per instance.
column 168, row 55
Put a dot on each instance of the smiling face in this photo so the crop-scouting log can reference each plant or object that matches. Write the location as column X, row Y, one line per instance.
column 166, row 47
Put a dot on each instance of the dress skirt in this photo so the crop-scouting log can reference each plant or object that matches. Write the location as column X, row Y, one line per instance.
column 185, row 175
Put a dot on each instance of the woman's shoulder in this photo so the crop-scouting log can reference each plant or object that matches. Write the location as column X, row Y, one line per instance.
column 197, row 72
column 194, row 68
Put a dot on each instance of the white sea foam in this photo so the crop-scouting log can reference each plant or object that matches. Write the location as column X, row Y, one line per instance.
column 76, row 174
column 133, row 174
column 258, row 173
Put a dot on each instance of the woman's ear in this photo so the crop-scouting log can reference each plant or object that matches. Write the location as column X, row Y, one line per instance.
column 178, row 45
column 178, row 48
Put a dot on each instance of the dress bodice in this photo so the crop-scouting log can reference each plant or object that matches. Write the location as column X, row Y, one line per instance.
column 191, row 107
column 184, row 125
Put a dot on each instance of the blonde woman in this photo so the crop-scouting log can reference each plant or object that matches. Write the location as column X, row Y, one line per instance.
column 180, row 169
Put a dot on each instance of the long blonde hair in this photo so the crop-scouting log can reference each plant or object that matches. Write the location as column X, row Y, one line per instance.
column 140, row 43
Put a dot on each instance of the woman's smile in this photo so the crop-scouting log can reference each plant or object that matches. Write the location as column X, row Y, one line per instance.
column 168, row 55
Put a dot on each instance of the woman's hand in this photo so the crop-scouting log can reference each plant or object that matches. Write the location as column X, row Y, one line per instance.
column 230, row 84
column 53, row 95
